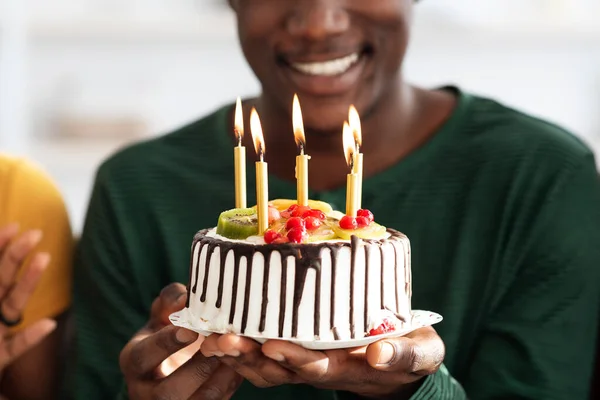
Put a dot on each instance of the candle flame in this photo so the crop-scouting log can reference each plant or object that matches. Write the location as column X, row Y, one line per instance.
column 239, row 121
column 349, row 145
column 354, row 120
column 298, row 125
column 257, row 134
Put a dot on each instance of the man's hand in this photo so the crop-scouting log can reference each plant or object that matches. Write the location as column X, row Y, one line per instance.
column 391, row 367
column 163, row 362
column 14, row 294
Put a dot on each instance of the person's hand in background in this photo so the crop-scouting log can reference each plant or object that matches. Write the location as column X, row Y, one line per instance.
column 18, row 281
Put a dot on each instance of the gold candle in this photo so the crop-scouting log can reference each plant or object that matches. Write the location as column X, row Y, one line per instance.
column 239, row 157
column 302, row 159
column 355, row 126
column 262, row 178
column 352, row 205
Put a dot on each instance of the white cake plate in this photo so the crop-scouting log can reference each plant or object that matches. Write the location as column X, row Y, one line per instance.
column 419, row 319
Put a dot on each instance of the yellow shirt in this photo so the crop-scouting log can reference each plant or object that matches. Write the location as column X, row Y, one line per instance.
column 29, row 197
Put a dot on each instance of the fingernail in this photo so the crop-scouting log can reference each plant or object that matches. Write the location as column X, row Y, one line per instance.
column 218, row 354
column 185, row 336
column 276, row 356
column 386, row 354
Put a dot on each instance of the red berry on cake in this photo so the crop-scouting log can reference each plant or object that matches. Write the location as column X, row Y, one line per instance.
column 317, row 214
column 312, row 223
column 367, row 214
column 300, row 211
column 295, row 222
column 271, row 236
column 297, row 235
column 383, row 322
column 349, row 223
column 362, row 222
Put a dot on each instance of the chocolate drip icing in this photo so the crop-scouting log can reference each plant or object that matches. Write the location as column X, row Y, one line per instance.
column 396, row 275
column 367, row 256
column 318, row 301
column 211, row 248
column 382, row 281
column 224, row 253
column 306, row 256
column 247, row 294
column 282, row 295
column 334, row 254
column 265, row 299
column 236, row 277
column 355, row 243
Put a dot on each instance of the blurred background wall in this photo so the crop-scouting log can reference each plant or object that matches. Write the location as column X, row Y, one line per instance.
column 81, row 78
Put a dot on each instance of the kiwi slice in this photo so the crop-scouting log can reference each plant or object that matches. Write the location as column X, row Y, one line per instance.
column 239, row 223
column 373, row 231
column 323, row 233
column 284, row 204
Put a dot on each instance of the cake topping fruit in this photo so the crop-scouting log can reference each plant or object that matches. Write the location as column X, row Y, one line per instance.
column 367, row 214
column 271, row 236
column 312, row 223
column 348, row 223
column 285, row 204
column 297, row 235
column 386, row 326
column 295, row 222
column 362, row 222
column 373, row 231
column 274, row 215
column 239, row 223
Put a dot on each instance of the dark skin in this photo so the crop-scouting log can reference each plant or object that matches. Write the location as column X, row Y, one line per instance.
column 397, row 118
column 29, row 353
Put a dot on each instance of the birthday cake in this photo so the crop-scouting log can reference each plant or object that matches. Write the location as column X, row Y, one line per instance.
column 315, row 274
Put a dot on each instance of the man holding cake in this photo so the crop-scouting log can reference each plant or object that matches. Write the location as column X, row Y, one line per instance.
column 499, row 214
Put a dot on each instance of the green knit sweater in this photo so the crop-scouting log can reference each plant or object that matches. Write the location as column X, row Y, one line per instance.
column 503, row 214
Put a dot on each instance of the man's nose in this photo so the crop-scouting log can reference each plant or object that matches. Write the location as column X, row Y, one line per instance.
column 318, row 19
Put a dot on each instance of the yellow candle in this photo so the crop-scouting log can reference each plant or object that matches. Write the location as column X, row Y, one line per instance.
column 262, row 196
column 351, row 195
column 302, row 159
column 262, row 175
column 352, row 178
column 355, row 126
column 239, row 158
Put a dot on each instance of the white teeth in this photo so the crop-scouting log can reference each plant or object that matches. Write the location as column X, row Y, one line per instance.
column 328, row 68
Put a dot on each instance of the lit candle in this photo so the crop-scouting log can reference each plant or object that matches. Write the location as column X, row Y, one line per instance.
column 262, row 179
column 239, row 156
column 352, row 178
column 302, row 159
column 354, row 120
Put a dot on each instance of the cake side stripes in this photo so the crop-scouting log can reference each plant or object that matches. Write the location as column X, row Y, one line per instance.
column 282, row 294
column 317, row 313
column 236, row 276
column 354, row 243
column 197, row 262
column 366, row 304
column 265, row 292
column 191, row 269
column 299, row 282
column 209, row 254
column 247, row 294
column 396, row 275
column 333, row 256
column 382, row 280
column 224, row 252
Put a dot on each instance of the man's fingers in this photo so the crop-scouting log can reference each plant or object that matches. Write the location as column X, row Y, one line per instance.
column 171, row 299
column 26, row 339
column 420, row 353
column 6, row 234
column 13, row 305
column 14, row 255
column 143, row 355
column 222, row 385
column 186, row 380
column 245, row 357
column 311, row 365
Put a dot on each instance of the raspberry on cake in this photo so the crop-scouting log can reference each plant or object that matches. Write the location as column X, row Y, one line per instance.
column 302, row 279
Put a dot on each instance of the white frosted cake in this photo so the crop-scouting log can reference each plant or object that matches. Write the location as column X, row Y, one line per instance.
column 334, row 289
